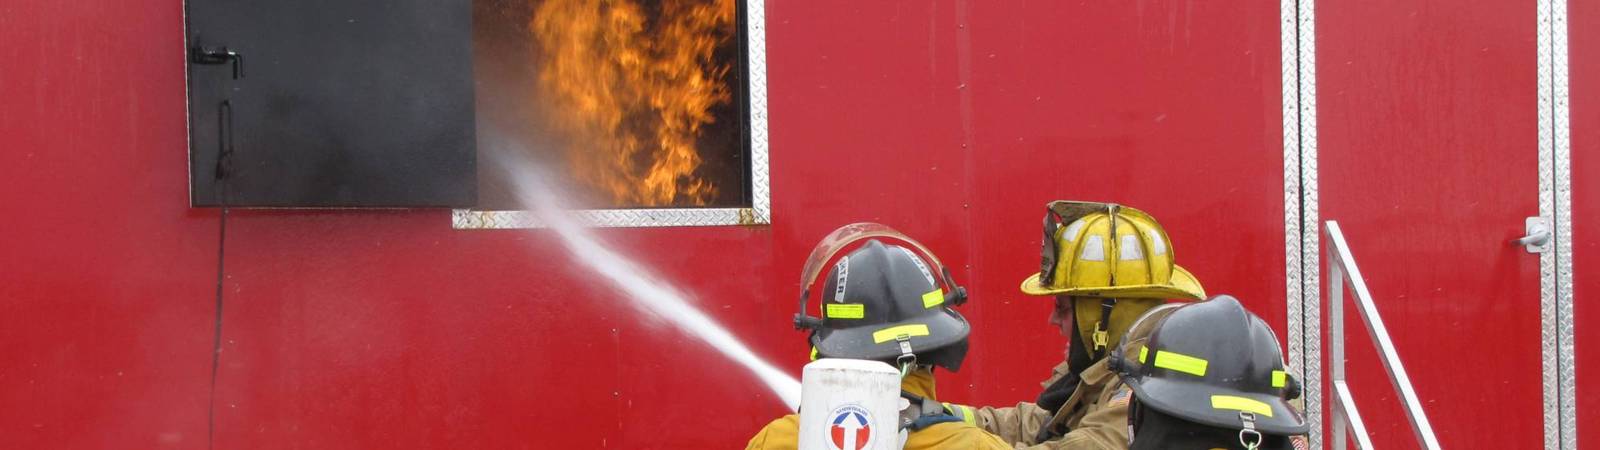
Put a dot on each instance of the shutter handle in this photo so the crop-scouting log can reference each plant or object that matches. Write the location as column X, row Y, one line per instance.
column 218, row 55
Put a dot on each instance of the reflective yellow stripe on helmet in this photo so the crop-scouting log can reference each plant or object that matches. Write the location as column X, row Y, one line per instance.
column 889, row 334
column 846, row 310
column 1240, row 404
column 1279, row 378
column 1180, row 362
column 933, row 298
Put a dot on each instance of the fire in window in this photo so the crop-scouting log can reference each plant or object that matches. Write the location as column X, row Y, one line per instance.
column 629, row 103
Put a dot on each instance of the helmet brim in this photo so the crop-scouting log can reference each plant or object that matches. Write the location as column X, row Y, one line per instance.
column 1184, row 286
column 944, row 330
column 1213, row 406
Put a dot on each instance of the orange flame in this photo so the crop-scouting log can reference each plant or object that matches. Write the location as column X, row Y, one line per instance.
column 631, row 94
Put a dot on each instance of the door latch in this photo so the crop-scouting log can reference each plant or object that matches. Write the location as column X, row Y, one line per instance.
column 1537, row 239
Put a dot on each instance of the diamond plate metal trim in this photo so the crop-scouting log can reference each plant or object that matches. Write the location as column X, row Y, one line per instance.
column 1548, row 314
column 756, row 43
column 1288, row 31
column 1310, row 224
column 1566, row 379
column 760, row 210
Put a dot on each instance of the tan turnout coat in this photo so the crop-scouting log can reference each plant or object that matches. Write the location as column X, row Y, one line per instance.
column 1096, row 414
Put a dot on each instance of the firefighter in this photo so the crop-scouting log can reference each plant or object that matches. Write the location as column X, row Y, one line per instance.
column 1207, row 375
column 1101, row 283
column 885, row 302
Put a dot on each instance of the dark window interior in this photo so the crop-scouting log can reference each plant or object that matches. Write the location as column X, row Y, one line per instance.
column 331, row 103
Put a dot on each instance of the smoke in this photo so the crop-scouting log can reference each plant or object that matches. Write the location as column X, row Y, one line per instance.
column 644, row 291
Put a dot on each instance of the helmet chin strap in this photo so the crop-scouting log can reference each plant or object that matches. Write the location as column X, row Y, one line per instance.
column 1248, row 436
column 1102, row 328
column 907, row 359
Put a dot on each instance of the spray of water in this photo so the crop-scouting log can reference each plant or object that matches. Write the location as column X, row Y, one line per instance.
column 646, row 292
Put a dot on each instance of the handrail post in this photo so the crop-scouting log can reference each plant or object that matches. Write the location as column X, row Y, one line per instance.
column 1336, row 336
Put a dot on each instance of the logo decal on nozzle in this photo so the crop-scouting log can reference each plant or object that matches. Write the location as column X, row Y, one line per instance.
column 850, row 428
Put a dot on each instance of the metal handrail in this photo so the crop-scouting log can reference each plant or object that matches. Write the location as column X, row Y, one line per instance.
column 1340, row 265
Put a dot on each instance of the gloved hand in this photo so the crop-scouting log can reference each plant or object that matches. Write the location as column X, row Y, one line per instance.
column 963, row 412
column 1057, row 393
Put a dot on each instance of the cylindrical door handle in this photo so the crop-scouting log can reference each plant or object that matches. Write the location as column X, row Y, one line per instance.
column 1537, row 238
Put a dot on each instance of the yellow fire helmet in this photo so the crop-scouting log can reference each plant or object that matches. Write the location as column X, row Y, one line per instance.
column 1082, row 259
column 1130, row 273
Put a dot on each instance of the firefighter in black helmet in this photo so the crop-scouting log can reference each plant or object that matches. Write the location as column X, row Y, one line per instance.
column 1208, row 375
column 888, row 302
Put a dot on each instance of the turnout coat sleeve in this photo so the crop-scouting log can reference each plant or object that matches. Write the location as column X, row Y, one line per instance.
column 1018, row 424
column 1015, row 424
column 1096, row 415
column 781, row 434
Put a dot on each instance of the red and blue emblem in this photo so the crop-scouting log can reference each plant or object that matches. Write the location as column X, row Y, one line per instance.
column 1120, row 398
column 849, row 428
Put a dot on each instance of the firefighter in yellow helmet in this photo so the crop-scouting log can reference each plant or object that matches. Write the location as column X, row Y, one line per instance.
column 1106, row 265
column 888, row 282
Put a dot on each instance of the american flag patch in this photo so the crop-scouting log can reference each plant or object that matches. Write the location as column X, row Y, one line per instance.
column 1299, row 442
column 1120, row 398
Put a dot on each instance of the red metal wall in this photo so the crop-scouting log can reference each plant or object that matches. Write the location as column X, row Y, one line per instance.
column 1584, row 68
column 951, row 120
column 1428, row 157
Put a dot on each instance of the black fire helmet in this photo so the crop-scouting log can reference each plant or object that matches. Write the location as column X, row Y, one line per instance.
column 1211, row 363
column 883, row 302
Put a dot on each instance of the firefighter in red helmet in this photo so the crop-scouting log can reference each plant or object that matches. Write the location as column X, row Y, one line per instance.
column 901, row 289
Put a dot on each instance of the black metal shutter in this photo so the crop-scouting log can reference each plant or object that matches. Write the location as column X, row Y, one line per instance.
column 331, row 103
